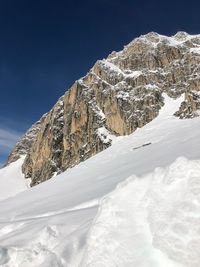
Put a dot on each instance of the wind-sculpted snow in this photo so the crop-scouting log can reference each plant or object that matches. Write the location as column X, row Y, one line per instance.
column 174, row 211
column 150, row 221
column 80, row 219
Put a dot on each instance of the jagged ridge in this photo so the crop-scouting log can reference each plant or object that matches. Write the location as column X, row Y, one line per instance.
column 118, row 95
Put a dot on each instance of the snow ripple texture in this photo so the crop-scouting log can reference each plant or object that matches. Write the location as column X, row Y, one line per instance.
column 150, row 221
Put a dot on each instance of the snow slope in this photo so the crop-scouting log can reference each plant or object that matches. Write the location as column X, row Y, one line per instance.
column 80, row 218
column 12, row 180
column 152, row 221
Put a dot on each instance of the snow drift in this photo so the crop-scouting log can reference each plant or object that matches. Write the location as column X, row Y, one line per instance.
column 134, row 204
column 149, row 221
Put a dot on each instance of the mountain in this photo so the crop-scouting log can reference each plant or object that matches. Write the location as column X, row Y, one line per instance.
column 134, row 204
column 117, row 96
column 122, row 150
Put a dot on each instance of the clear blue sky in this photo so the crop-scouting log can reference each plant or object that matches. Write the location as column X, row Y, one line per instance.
column 46, row 45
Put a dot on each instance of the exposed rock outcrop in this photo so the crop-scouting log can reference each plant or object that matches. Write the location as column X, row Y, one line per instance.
column 118, row 95
column 191, row 106
column 24, row 145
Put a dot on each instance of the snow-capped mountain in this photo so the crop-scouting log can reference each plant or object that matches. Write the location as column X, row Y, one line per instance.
column 118, row 95
column 133, row 125
column 134, row 204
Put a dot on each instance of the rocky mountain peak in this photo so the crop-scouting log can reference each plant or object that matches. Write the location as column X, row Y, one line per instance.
column 118, row 95
column 182, row 36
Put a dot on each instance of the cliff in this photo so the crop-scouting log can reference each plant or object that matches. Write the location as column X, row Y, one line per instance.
column 118, row 95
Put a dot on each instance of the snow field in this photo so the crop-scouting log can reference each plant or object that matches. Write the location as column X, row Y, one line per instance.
column 115, row 209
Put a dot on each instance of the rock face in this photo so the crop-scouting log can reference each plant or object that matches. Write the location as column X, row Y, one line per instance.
column 118, row 95
column 24, row 145
column 190, row 107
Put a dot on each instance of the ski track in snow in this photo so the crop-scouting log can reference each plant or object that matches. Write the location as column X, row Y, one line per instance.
column 117, row 208
column 86, row 205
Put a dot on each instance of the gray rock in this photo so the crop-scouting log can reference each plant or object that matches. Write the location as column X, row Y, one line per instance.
column 118, row 95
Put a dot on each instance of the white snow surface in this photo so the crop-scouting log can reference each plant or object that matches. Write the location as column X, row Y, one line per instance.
column 195, row 50
column 135, row 204
column 12, row 180
column 115, row 69
column 105, row 135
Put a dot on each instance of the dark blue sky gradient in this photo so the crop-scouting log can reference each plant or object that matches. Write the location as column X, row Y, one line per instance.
column 46, row 45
